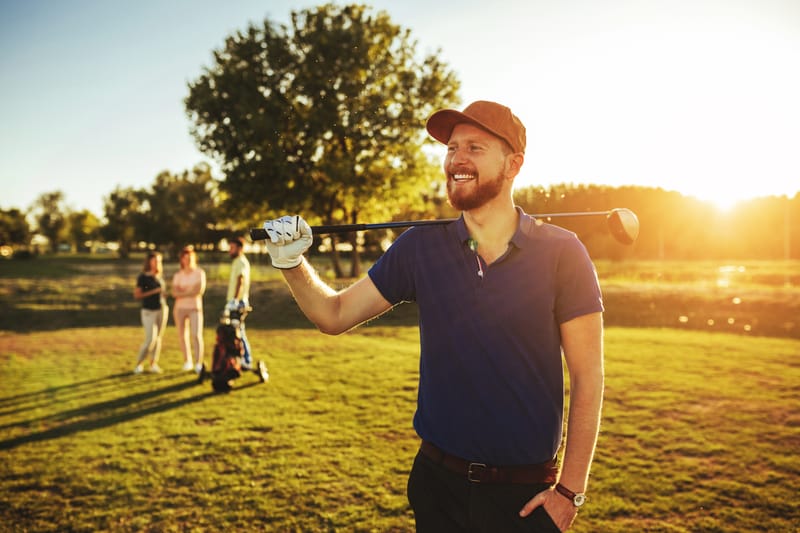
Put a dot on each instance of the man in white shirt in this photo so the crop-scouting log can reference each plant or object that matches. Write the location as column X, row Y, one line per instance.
column 239, row 289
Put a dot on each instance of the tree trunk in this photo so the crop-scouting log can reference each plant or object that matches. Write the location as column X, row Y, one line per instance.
column 124, row 250
column 355, row 267
column 337, row 265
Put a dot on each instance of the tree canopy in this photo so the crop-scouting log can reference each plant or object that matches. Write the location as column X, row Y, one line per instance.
column 83, row 228
column 179, row 209
column 325, row 117
column 49, row 212
column 123, row 208
column 14, row 229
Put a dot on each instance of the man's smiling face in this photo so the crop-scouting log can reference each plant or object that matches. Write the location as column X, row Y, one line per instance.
column 475, row 167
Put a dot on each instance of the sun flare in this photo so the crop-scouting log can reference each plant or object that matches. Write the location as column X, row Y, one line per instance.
column 724, row 199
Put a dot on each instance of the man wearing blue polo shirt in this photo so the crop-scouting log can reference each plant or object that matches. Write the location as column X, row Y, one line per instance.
column 501, row 297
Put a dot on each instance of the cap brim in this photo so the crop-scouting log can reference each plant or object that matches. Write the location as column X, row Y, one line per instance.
column 440, row 125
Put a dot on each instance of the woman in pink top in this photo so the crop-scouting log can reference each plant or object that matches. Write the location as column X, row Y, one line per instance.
column 188, row 286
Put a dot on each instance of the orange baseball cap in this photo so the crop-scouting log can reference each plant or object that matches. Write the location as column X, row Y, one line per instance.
column 495, row 118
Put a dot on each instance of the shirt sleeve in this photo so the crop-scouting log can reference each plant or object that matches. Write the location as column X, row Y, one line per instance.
column 392, row 274
column 578, row 289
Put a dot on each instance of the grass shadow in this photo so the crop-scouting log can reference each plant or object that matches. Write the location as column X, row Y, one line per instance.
column 10, row 405
column 6, row 400
column 102, row 414
column 237, row 383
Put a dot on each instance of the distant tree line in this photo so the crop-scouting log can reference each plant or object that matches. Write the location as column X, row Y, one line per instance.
column 189, row 208
column 177, row 209
column 674, row 226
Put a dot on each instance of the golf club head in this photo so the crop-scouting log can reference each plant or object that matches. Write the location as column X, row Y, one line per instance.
column 624, row 225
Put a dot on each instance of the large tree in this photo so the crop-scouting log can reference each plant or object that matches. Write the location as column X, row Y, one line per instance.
column 83, row 228
column 324, row 117
column 182, row 209
column 178, row 209
column 14, row 229
column 50, row 214
column 124, row 214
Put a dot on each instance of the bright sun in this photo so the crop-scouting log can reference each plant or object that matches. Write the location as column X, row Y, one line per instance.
column 722, row 199
column 702, row 105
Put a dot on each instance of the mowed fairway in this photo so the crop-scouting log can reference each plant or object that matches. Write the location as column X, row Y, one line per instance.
column 701, row 432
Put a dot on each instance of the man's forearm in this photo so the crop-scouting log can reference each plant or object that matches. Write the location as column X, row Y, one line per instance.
column 316, row 299
column 583, row 424
column 331, row 311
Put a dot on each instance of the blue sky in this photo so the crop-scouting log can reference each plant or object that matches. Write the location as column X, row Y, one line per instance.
column 698, row 96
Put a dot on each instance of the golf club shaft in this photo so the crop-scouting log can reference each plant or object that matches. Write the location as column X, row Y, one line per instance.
column 259, row 234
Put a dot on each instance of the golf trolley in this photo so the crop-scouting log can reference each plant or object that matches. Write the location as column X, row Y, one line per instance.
column 227, row 362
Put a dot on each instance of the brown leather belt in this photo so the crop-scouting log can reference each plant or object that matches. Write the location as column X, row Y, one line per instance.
column 481, row 473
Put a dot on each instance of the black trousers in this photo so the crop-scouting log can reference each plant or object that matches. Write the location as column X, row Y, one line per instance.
column 445, row 502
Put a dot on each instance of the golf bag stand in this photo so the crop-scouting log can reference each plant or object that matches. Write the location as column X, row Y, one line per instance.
column 227, row 360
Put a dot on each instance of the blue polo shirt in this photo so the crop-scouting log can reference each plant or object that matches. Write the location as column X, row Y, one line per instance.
column 491, row 383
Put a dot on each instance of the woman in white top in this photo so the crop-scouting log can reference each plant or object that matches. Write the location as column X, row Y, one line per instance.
column 188, row 286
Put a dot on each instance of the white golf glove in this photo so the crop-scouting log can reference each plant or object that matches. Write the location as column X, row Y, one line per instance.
column 288, row 238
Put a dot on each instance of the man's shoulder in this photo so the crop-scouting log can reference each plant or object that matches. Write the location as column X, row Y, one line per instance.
column 429, row 233
column 544, row 234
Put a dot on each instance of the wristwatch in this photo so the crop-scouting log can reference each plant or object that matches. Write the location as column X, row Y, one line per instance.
column 577, row 498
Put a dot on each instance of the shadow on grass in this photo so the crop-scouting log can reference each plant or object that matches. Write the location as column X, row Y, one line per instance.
column 238, row 386
column 101, row 414
column 21, row 399
column 11, row 405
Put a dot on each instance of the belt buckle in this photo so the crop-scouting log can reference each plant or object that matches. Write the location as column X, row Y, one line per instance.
column 471, row 471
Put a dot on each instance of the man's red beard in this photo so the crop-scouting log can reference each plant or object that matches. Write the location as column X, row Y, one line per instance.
column 480, row 192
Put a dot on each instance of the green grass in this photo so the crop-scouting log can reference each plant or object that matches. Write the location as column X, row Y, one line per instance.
column 323, row 446
column 700, row 433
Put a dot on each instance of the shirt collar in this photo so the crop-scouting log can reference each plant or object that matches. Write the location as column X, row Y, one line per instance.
column 520, row 238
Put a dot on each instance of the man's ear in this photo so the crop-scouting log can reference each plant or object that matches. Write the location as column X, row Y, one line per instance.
column 514, row 164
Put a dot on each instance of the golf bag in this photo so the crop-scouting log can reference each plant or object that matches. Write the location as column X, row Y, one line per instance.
column 228, row 352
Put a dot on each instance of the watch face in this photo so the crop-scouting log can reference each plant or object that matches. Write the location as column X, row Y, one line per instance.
column 579, row 499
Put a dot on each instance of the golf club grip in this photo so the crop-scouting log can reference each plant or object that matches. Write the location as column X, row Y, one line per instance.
column 258, row 234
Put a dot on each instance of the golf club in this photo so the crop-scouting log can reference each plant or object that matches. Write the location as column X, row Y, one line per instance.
column 622, row 222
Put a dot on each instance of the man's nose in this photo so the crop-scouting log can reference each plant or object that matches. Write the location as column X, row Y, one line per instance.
column 457, row 155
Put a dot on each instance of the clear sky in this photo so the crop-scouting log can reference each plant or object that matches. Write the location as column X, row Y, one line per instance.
column 697, row 96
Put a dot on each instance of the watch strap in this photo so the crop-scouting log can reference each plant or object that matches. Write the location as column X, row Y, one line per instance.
column 577, row 498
